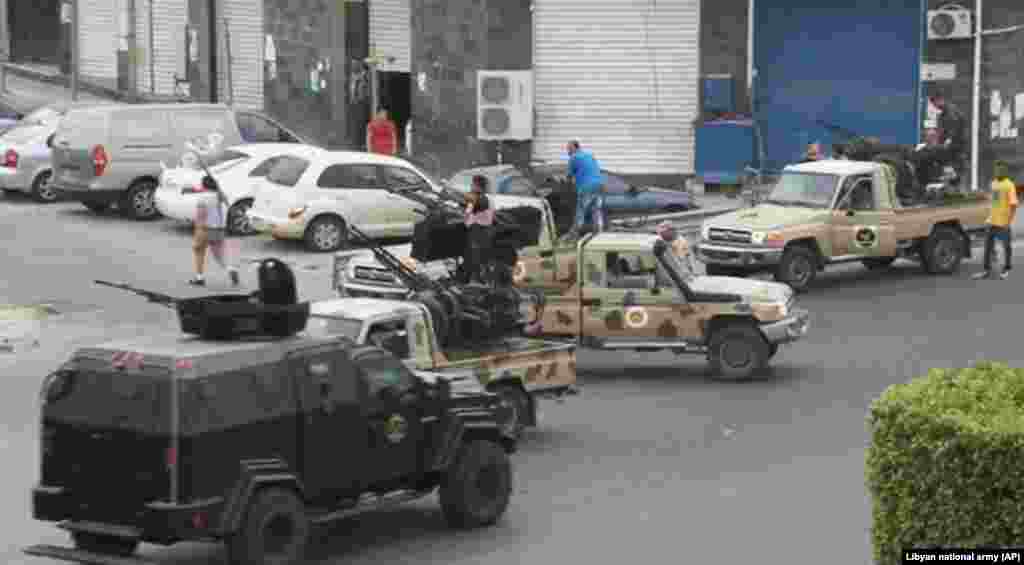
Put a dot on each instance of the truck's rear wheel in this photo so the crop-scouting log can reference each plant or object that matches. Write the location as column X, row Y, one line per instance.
column 737, row 351
column 104, row 544
column 476, row 489
column 943, row 251
column 798, row 268
column 275, row 531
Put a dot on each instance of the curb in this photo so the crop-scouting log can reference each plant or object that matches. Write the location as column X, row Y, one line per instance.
column 113, row 94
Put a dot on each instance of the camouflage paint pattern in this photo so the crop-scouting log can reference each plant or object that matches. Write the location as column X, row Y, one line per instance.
column 556, row 271
column 538, row 365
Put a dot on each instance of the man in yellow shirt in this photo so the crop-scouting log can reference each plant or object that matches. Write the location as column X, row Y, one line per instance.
column 1004, row 210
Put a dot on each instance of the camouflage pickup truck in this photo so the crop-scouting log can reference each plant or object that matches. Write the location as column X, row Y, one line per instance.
column 633, row 292
column 830, row 212
column 520, row 370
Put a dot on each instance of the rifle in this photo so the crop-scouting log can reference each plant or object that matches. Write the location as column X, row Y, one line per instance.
column 155, row 297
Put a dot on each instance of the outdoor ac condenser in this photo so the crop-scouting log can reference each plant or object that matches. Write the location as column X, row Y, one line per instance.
column 504, row 101
column 949, row 24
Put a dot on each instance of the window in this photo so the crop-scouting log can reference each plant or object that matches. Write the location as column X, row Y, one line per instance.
column 630, row 271
column 223, row 157
column 399, row 177
column 349, row 176
column 263, row 168
column 200, row 123
column 804, row 189
column 518, row 186
column 140, row 124
column 383, row 373
column 288, row 171
column 857, row 194
column 257, row 129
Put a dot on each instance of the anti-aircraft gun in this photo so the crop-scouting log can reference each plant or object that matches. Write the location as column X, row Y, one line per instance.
column 460, row 312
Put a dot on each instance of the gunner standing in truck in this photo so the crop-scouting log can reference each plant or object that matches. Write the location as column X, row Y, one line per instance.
column 585, row 171
column 479, row 218
column 953, row 128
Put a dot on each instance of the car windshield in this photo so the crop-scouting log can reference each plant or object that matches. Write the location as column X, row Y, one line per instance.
column 334, row 326
column 288, row 171
column 813, row 190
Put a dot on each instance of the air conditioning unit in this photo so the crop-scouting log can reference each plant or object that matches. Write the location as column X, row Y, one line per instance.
column 504, row 105
column 949, row 24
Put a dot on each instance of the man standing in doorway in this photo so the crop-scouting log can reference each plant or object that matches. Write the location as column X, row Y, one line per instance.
column 586, row 173
column 382, row 134
column 953, row 132
column 1004, row 211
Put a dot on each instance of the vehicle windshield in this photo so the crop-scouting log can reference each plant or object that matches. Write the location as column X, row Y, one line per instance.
column 334, row 326
column 814, row 190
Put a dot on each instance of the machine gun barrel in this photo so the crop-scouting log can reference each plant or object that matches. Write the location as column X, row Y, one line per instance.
column 435, row 203
column 413, row 280
column 155, row 297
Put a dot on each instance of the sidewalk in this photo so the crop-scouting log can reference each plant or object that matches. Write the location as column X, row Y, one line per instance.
column 26, row 93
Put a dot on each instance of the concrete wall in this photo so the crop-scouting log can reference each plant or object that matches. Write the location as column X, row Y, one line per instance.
column 723, row 43
column 452, row 39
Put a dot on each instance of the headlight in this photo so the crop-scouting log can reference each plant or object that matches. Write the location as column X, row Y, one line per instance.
column 757, row 238
column 341, row 265
column 705, row 231
column 783, row 310
column 296, row 212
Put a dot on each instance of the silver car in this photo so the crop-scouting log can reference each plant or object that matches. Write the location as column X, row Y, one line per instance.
column 112, row 154
column 25, row 155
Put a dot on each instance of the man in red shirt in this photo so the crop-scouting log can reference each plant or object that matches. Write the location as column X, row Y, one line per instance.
column 382, row 134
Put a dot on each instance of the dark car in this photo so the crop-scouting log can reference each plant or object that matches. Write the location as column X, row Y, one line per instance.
column 503, row 179
column 165, row 439
column 621, row 197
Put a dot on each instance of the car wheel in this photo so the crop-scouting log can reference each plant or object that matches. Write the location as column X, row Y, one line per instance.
column 138, row 201
column 476, row 489
column 878, row 263
column 518, row 403
column 943, row 251
column 96, row 207
column 275, row 531
column 104, row 544
column 238, row 221
column 326, row 233
column 42, row 190
column 737, row 351
column 798, row 268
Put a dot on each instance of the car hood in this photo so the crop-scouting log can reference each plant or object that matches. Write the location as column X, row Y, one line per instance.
column 751, row 290
column 433, row 269
column 768, row 217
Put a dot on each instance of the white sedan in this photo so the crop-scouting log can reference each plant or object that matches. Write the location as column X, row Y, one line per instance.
column 315, row 197
column 237, row 170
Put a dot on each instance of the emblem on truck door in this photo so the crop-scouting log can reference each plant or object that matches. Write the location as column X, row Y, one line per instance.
column 866, row 237
column 395, row 428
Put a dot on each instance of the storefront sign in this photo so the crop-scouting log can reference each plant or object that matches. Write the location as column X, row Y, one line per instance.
column 938, row 71
column 1005, row 113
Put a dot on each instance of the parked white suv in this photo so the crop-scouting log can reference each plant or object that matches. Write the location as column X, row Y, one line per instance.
column 316, row 195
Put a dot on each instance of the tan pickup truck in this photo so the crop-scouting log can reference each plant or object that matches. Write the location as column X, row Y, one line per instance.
column 830, row 212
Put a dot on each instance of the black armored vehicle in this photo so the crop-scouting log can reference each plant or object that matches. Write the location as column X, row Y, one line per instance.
column 252, row 441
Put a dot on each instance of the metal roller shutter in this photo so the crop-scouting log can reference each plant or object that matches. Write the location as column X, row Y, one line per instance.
column 245, row 30
column 168, row 48
column 620, row 75
column 390, row 29
column 98, row 37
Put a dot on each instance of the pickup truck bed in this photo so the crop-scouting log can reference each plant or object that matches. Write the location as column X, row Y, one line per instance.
column 540, row 365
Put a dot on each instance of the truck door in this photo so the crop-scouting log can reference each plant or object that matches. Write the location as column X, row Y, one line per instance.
column 619, row 296
column 328, row 390
column 859, row 225
column 391, row 409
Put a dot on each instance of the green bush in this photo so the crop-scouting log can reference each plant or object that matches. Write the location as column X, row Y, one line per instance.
column 945, row 467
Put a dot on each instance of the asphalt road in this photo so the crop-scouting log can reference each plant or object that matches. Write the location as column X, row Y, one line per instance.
column 652, row 464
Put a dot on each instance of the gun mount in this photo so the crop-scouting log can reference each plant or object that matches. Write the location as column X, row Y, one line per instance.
column 460, row 312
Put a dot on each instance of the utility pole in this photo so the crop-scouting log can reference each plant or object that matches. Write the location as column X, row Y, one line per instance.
column 75, row 50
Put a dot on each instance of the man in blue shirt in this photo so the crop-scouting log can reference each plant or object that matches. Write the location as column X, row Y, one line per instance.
column 586, row 173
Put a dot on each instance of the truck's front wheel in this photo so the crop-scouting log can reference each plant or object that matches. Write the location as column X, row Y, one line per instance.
column 275, row 531
column 520, row 408
column 737, row 351
column 476, row 490
column 798, row 268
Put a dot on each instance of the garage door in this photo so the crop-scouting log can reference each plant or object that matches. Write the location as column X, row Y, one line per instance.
column 853, row 64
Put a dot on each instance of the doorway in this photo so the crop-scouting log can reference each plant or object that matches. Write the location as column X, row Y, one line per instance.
column 396, row 96
column 36, row 32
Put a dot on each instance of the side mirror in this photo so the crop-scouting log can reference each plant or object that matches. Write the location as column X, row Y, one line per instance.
column 49, row 140
column 850, row 213
column 209, row 183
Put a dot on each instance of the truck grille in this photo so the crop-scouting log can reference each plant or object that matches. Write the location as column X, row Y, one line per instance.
column 375, row 276
column 727, row 235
